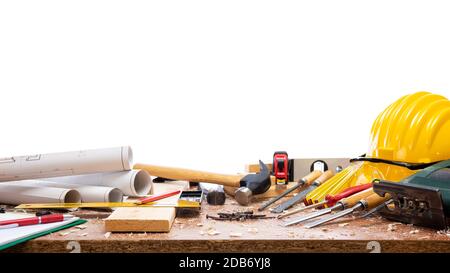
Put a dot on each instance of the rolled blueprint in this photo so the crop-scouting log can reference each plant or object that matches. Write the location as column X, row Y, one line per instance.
column 67, row 163
column 131, row 183
column 88, row 193
column 17, row 194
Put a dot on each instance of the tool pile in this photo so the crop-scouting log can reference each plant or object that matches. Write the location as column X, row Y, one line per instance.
column 404, row 176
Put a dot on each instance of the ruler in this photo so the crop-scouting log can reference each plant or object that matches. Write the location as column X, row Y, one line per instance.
column 178, row 204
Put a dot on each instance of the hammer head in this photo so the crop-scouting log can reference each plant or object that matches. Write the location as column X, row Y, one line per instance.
column 251, row 184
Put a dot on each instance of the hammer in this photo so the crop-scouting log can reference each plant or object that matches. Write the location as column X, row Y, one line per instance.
column 250, row 184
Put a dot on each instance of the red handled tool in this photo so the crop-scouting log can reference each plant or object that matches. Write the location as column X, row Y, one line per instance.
column 330, row 200
column 52, row 218
column 156, row 197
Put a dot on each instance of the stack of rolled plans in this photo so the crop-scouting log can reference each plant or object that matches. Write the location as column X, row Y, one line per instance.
column 100, row 175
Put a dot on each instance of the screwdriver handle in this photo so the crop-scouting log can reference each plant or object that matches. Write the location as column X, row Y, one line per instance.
column 355, row 198
column 333, row 199
column 323, row 177
column 309, row 178
column 374, row 200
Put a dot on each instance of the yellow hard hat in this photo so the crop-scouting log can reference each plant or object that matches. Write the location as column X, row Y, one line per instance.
column 410, row 134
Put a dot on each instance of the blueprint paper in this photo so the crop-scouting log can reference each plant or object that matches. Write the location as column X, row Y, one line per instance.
column 88, row 193
column 132, row 183
column 18, row 194
column 66, row 163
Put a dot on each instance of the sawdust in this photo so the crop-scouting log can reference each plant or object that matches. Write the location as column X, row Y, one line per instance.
column 392, row 227
column 107, row 234
column 200, row 224
column 212, row 231
column 81, row 227
column 415, row 231
column 325, row 229
column 235, row 234
column 343, row 224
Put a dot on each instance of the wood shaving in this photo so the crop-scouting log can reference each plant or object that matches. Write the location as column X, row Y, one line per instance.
column 202, row 232
column 392, row 227
column 200, row 224
column 253, row 230
column 414, row 231
column 84, row 234
column 343, row 225
column 424, row 237
column 64, row 233
column 81, row 227
column 107, row 234
column 212, row 232
column 325, row 229
column 235, row 234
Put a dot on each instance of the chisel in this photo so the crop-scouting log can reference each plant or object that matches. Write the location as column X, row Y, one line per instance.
column 341, row 205
column 301, row 195
column 330, row 200
column 305, row 180
column 371, row 201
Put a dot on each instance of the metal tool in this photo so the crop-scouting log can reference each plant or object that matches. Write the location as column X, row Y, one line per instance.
column 304, row 181
column 340, row 205
column 300, row 196
column 249, row 184
column 215, row 195
column 330, row 200
column 371, row 201
column 240, row 216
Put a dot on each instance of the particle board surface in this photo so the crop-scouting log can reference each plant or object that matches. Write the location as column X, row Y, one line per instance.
column 191, row 235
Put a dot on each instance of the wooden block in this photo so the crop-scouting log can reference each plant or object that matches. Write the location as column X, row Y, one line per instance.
column 147, row 219
column 140, row 220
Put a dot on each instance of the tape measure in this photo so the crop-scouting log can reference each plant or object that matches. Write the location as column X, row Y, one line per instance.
column 179, row 204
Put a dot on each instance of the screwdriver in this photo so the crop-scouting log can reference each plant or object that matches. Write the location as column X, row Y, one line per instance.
column 340, row 205
column 301, row 195
column 330, row 200
column 305, row 180
column 369, row 202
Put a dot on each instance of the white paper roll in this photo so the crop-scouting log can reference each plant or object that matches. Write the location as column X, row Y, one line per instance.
column 131, row 183
column 17, row 194
column 88, row 193
column 66, row 163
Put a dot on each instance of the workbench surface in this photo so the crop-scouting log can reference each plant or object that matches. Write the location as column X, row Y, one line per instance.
column 195, row 234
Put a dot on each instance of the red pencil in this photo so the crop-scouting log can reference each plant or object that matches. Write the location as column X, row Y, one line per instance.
column 156, row 197
column 52, row 218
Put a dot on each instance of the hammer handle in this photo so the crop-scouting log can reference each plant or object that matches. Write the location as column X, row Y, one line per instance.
column 191, row 175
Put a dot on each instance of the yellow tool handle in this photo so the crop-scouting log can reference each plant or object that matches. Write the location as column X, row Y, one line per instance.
column 375, row 200
column 191, row 175
column 309, row 178
column 355, row 198
column 324, row 177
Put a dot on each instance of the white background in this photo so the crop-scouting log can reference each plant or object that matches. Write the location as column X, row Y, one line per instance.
column 212, row 85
